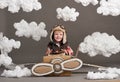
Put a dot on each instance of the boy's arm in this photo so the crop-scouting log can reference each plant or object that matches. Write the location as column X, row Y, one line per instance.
column 68, row 51
column 48, row 51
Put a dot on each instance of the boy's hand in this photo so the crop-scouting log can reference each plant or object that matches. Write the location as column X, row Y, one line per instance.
column 64, row 51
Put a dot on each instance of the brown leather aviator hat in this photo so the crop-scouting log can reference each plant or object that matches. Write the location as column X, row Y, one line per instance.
column 59, row 28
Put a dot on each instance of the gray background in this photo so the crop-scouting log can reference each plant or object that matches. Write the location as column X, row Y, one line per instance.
column 87, row 23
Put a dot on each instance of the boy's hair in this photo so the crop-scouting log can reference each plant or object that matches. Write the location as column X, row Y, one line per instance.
column 58, row 28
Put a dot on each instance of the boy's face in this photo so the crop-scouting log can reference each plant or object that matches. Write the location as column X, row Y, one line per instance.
column 58, row 36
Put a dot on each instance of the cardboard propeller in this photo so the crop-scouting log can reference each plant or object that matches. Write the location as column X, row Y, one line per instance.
column 56, row 66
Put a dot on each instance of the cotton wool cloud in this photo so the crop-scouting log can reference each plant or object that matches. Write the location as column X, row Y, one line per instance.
column 87, row 2
column 15, row 5
column 6, row 44
column 100, row 44
column 5, row 60
column 67, row 13
column 17, row 72
column 109, row 7
column 23, row 28
column 108, row 73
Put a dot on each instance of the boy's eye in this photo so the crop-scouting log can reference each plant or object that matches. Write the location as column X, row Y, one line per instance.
column 61, row 34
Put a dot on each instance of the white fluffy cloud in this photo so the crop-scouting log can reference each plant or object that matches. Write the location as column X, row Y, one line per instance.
column 5, row 60
column 109, row 7
column 67, row 14
column 109, row 73
column 30, row 30
column 7, row 45
column 87, row 2
column 15, row 5
column 17, row 72
column 100, row 44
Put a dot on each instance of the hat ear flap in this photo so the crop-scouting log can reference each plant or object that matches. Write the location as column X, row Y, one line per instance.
column 64, row 38
column 51, row 35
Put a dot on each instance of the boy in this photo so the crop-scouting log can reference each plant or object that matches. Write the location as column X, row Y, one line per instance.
column 58, row 42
